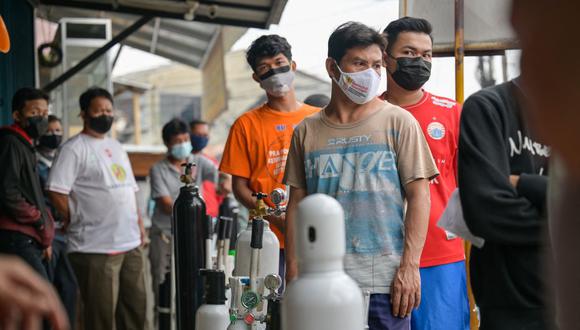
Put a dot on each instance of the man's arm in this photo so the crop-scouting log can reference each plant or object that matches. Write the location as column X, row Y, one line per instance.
column 11, row 199
column 242, row 192
column 406, row 288
column 165, row 203
column 26, row 298
column 142, row 232
column 296, row 195
column 534, row 187
column 492, row 207
column 60, row 203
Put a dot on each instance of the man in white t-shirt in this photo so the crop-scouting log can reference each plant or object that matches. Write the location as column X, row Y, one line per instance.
column 92, row 186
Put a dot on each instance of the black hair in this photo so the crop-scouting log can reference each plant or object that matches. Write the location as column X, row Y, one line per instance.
column 27, row 94
column 53, row 118
column 317, row 100
column 268, row 46
column 174, row 127
column 351, row 35
column 406, row 24
column 196, row 122
column 92, row 93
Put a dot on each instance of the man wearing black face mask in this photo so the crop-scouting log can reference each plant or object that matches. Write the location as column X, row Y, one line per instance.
column 443, row 276
column 26, row 226
column 46, row 147
column 92, row 186
column 58, row 268
column 199, row 140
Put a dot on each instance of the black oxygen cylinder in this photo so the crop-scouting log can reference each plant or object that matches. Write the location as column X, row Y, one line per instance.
column 229, row 208
column 274, row 317
column 164, row 303
column 189, row 217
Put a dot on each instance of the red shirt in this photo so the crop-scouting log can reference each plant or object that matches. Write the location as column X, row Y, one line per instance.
column 439, row 120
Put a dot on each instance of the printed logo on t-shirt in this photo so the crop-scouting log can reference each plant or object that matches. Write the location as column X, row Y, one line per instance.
column 119, row 172
column 436, row 130
column 280, row 128
column 443, row 102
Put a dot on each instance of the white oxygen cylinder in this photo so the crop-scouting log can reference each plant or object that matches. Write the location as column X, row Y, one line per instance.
column 323, row 296
column 213, row 314
column 212, row 317
column 269, row 255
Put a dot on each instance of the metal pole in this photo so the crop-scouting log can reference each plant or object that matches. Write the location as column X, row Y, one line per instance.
column 137, row 117
column 459, row 51
column 459, row 97
column 117, row 56
column 504, row 66
column 96, row 54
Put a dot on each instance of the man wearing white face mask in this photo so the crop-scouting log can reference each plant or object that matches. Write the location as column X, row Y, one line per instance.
column 257, row 147
column 165, row 185
column 370, row 155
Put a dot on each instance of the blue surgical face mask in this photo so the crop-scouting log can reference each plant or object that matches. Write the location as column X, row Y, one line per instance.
column 181, row 151
column 198, row 142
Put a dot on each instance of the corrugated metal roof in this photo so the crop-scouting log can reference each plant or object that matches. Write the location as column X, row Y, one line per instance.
column 171, row 35
column 178, row 40
column 245, row 13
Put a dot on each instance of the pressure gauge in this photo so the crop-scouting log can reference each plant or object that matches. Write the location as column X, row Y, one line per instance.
column 273, row 282
column 250, row 299
column 278, row 196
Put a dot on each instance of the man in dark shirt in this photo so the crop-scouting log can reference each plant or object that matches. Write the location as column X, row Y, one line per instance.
column 26, row 226
column 502, row 185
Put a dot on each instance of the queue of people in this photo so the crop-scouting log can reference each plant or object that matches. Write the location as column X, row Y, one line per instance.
column 391, row 158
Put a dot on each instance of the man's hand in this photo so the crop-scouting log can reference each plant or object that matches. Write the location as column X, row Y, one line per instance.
column 60, row 203
column 406, row 291
column 143, row 233
column 26, row 299
column 65, row 223
column 278, row 222
column 47, row 253
column 514, row 179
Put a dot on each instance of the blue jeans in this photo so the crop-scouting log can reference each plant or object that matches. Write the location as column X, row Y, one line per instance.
column 25, row 247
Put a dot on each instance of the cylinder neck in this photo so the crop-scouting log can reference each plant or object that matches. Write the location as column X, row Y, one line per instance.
column 266, row 225
column 215, row 289
column 320, row 266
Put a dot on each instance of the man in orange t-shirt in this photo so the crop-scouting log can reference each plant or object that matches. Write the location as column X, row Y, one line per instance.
column 257, row 147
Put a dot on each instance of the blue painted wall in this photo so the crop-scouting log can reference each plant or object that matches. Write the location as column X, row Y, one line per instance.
column 17, row 67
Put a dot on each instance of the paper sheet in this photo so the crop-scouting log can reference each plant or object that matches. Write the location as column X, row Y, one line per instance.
column 452, row 221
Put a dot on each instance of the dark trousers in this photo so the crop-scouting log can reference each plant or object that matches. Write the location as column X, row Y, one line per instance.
column 112, row 289
column 25, row 247
column 62, row 276
column 516, row 319
column 381, row 315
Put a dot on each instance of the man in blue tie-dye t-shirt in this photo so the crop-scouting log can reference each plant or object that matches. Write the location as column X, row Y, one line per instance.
column 372, row 157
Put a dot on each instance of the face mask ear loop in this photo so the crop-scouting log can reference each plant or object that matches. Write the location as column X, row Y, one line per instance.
column 339, row 70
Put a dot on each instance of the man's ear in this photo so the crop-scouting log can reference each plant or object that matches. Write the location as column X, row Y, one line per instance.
column 385, row 57
column 255, row 77
column 293, row 65
column 331, row 69
column 389, row 63
column 17, row 116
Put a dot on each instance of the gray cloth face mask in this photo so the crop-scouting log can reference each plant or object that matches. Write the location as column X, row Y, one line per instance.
column 277, row 82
